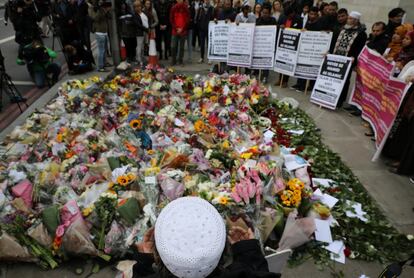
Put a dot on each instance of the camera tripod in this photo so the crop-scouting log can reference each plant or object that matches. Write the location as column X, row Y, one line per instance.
column 7, row 86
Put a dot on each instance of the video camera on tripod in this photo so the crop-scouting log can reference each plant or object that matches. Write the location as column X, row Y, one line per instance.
column 7, row 86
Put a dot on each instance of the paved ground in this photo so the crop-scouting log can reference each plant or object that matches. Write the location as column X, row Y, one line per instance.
column 345, row 135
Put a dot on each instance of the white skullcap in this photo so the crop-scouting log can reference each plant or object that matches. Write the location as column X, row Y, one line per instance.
column 246, row 4
column 190, row 236
column 354, row 14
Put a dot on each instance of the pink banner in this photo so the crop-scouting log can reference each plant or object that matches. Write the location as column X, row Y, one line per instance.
column 377, row 94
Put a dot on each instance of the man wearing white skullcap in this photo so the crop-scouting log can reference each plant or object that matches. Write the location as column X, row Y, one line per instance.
column 350, row 42
column 190, row 236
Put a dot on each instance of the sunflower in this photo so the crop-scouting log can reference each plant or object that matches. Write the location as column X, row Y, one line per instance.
column 122, row 180
column 135, row 124
column 199, row 126
column 131, row 177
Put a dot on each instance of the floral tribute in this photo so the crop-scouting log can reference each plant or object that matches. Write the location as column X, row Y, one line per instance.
column 89, row 173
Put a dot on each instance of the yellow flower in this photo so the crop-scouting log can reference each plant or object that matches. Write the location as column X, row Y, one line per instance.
column 287, row 203
column 247, row 155
column 135, row 124
column 199, row 126
column 297, row 193
column 225, row 144
column 214, row 99
column 284, row 197
column 223, row 200
column 59, row 137
column 131, row 177
column 228, row 101
column 198, row 92
column 110, row 185
column 152, row 170
column 150, row 152
column 122, row 180
column 87, row 211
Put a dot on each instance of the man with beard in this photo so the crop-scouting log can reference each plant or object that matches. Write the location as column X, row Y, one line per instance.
column 378, row 39
column 350, row 42
column 394, row 20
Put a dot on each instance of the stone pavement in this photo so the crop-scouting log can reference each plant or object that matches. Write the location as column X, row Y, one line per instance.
column 344, row 134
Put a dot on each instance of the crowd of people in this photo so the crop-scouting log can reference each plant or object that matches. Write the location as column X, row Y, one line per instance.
column 183, row 25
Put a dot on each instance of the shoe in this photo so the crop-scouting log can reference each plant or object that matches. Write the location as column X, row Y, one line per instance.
column 350, row 108
column 300, row 90
column 108, row 65
column 103, row 70
column 392, row 164
column 356, row 113
column 284, row 85
column 369, row 134
column 294, row 87
column 264, row 81
column 201, row 61
column 412, row 179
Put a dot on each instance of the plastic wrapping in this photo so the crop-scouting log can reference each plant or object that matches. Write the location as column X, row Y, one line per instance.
column 297, row 231
column 11, row 250
column 77, row 239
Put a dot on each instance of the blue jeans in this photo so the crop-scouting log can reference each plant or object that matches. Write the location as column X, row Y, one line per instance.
column 40, row 77
column 101, row 41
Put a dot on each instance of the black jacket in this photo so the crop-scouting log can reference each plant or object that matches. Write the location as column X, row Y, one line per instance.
column 163, row 12
column 204, row 17
column 266, row 21
column 26, row 25
column 227, row 14
column 313, row 26
column 139, row 27
column 379, row 43
column 248, row 262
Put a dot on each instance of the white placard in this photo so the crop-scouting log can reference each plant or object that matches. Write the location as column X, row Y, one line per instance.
column 287, row 51
column 264, row 47
column 240, row 46
column 312, row 49
column 217, row 41
column 331, row 79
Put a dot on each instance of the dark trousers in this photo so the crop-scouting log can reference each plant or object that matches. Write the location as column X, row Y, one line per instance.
column 203, row 41
column 345, row 90
column 178, row 42
column 196, row 36
column 130, row 47
column 85, row 38
column 163, row 36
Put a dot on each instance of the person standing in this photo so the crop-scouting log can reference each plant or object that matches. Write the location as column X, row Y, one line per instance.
column 204, row 16
column 395, row 17
column 245, row 16
column 277, row 10
column 190, row 30
column 378, row 40
column 83, row 23
column 290, row 20
column 163, row 30
column 350, row 42
column 180, row 19
column 26, row 26
column 43, row 8
column 142, row 24
column 128, row 31
column 257, row 10
column 266, row 20
column 101, row 16
column 228, row 13
column 312, row 24
column 196, row 5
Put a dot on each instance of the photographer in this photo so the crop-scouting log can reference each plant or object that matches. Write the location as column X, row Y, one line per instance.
column 26, row 26
column 38, row 60
column 79, row 59
column 101, row 16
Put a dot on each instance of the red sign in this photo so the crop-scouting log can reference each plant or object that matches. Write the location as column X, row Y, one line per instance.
column 377, row 94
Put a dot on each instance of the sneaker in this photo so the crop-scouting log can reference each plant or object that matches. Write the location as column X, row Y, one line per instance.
column 103, row 70
column 201, row 61
column 264, row 81
column 412, row 179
